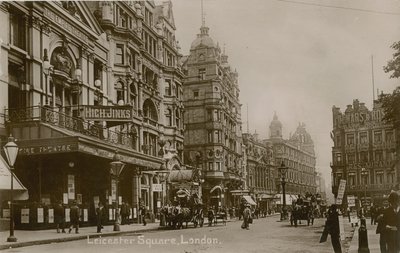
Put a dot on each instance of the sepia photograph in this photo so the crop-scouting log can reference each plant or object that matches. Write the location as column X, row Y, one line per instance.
column 200, row 126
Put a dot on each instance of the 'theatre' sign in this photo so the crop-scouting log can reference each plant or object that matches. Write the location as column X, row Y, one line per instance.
column 108, row 113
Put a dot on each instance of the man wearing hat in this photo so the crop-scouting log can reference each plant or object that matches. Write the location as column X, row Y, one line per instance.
column 390, row 219
column 74, row 213
column 246, row 217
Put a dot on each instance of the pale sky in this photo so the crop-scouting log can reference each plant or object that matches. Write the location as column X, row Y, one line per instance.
column 298, row 59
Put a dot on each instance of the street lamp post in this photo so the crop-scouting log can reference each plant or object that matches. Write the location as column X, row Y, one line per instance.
column 163, row 176
column 11, row 151
column 282, row 171
column 364, row 173
column 116, row 167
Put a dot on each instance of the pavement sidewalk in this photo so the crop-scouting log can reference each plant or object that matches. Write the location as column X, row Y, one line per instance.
column 37, row 237
column 373, row 239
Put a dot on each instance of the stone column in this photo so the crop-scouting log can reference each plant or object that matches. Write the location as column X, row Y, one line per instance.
column 151, row 196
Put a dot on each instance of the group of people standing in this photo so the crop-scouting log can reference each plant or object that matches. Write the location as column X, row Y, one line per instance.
column 389, row 225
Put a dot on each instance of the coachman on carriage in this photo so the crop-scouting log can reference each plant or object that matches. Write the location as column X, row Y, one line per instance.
column 302, row 210
column 185, row 208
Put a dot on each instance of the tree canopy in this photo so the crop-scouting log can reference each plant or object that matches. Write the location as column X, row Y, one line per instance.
column 393, row 65
column 391, row 107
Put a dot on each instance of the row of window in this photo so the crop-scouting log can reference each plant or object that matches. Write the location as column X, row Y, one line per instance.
column 298, row 155
column 220, row 116
column 365, row 156
column 173, row 89
column 378, row 136
column 380, row 177
column 169, row 118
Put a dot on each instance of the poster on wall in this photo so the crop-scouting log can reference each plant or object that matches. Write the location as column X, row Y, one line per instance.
column 79, row 199
column 25, row 215
column 131, row 214
column 85, row 215
column 51, row 215
column 6, row 213
column 71, row 187
column 40, row 215
column 65, row 198
column 158, row 204
column 113, row 189
column 67, row 218
column 120, row 199
column 134, row 213
column 110, row 214
column 110, row 200
column 96, row 200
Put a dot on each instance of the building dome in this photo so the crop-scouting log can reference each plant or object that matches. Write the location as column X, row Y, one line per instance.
column 203, row 39
column 275, row 128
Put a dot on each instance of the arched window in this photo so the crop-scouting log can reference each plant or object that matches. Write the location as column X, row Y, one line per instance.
column 150, row 111
column 119, row 88
column 133, row 94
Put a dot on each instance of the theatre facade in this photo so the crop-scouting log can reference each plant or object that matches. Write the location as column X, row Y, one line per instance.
column 82, row 85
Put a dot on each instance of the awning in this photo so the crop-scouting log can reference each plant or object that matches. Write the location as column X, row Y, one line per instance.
column 216, row 187
column 179, row 176
column 181, row 193
column 289, row 199
column 20, row 192
column 249, row 200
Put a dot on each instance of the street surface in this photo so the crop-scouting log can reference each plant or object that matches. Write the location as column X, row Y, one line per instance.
column 265, row 235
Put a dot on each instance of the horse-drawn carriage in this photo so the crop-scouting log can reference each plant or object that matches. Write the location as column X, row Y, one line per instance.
column 302, row 211
column 214, row 215
column 187, row 208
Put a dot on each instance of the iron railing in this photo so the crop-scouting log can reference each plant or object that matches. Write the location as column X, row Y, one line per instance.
column 59, row 119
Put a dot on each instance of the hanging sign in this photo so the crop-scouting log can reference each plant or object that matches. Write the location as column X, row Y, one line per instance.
column 71, row 187
column 351, row 200
column 157, row 187
column 25, row 215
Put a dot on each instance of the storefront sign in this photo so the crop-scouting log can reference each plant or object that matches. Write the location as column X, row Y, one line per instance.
column 25, row 215
column 51, row 215
column 49, row 149
column 71, row 187
column 40, row 215
column 67, row 217
column 108, row 113
column 63, row 23
column 157, row 187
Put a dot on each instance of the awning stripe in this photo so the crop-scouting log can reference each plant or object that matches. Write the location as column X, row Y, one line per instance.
column 249, row 200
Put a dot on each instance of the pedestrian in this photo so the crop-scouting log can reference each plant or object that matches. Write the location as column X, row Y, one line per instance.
column 391, row 218
column 332, row 228
column 74, row 214
column 246, row 217
column 380, row 229
column 124, row 212
column 143, row 214
column 99, row 217
column 59, row 217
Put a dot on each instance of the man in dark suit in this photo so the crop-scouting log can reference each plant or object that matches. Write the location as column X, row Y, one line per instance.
column 99, row 217
column 391, row 219
column 332, row 227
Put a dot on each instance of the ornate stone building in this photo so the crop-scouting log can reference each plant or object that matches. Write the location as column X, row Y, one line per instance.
column 213, row 127
column 261, row 170
column 81, row 80
column 363, row 153
column 298, row 155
